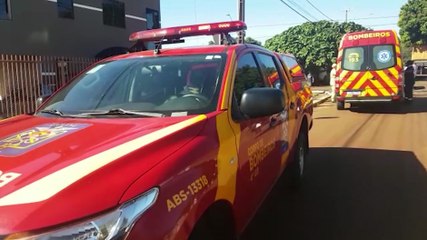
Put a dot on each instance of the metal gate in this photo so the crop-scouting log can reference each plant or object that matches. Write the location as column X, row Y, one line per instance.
column 25, row 78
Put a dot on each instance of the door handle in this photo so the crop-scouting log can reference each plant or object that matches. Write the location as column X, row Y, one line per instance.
column 276, row 120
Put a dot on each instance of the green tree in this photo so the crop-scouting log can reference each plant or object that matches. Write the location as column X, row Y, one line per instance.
column 413, row 22
column 315, row 44
column 247, row 40
column 252, row 41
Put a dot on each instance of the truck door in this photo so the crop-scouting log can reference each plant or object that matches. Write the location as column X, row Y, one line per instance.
column 261, row 139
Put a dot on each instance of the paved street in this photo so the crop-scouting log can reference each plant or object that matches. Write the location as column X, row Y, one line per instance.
column 366, row 178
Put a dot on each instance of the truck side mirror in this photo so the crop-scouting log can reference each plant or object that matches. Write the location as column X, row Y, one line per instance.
column 261, row 102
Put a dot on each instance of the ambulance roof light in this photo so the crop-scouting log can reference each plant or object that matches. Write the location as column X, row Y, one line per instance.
column 175, row 33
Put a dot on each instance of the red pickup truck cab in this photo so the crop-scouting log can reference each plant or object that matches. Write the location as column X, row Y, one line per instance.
column 180, row 143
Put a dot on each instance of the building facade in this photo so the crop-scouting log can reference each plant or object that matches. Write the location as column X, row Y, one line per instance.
column 45, row 43
column 72, row 28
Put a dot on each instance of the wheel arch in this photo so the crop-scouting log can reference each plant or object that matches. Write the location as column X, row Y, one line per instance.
column 305, row 127
column 219, row 215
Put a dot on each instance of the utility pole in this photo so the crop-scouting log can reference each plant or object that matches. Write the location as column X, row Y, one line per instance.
column 241, row 14
column 346, row 15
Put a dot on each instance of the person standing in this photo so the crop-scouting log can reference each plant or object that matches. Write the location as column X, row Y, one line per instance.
column 332, row 81
column 409, row 77
column 310, row 78
column 415, row 69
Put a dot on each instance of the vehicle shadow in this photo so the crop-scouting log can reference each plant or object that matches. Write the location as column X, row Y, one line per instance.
column 348, row 194
column 418, row 105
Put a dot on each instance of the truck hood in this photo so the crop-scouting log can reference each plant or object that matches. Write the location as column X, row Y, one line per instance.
column 51, row 165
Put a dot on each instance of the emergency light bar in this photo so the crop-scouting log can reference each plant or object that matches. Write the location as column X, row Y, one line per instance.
column 174, row 33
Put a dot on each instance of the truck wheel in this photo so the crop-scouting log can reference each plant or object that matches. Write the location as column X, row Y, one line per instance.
column 299, row 162
column 340, row 105
column 215, row 224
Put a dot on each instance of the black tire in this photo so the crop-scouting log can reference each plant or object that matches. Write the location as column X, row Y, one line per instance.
column 340, row 105
column 214, row 225
column 398, row 104
column 299, row 163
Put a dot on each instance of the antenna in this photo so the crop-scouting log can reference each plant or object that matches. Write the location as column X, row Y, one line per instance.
column 227, row 39
column 158, row 45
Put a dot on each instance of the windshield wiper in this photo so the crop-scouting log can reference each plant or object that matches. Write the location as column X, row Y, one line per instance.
column 120, row 111
column 53, row 112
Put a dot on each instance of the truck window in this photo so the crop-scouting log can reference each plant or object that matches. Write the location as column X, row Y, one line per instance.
column 151, row 84
column 289, row 61
column 269, row 69
column 247, row 76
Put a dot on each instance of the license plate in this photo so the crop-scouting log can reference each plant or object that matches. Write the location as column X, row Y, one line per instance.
column 357, row 93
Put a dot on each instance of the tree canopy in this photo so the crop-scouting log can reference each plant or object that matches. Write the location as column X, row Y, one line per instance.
column 252, row 41
column 315, row 44
column 413, row 22
column 247, row 40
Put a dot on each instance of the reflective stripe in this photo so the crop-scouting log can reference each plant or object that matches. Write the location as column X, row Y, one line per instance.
column 394, row 72
column 382, row 88
column 228, row 84
column 296, row 69
column 383, row 85
column 227, row 160
column 386, row 82
column 52, row 184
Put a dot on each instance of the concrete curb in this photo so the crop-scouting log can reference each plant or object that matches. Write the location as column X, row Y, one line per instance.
column 317, row 102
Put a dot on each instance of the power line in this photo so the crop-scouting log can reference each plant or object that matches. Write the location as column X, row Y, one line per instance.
column 258, row 37
column 275, row 25
column 380, row 25
column 319, row 10
column 363, row 18
column 298, row 23
column 295, row 11
column 302, row 9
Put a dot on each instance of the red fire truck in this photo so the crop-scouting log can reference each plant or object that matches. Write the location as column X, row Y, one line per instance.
column 180, row 143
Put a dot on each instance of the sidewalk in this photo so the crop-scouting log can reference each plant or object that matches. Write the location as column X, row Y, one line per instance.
column 321, row 94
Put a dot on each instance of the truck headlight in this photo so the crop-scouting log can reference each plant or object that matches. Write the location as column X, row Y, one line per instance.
column 112, row 225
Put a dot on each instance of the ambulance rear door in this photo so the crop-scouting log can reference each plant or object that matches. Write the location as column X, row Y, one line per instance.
column 370, row 71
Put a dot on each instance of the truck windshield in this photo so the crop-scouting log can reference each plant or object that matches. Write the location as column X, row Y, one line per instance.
column 375, row 57
column 170, row 85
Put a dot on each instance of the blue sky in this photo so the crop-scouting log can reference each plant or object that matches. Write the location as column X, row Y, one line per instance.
column 266, row 18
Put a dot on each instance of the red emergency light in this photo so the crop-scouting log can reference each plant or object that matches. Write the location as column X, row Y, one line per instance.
column 174, row 33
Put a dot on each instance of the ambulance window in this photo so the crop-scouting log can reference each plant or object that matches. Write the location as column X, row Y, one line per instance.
column 383, row 57
column 354, row 58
